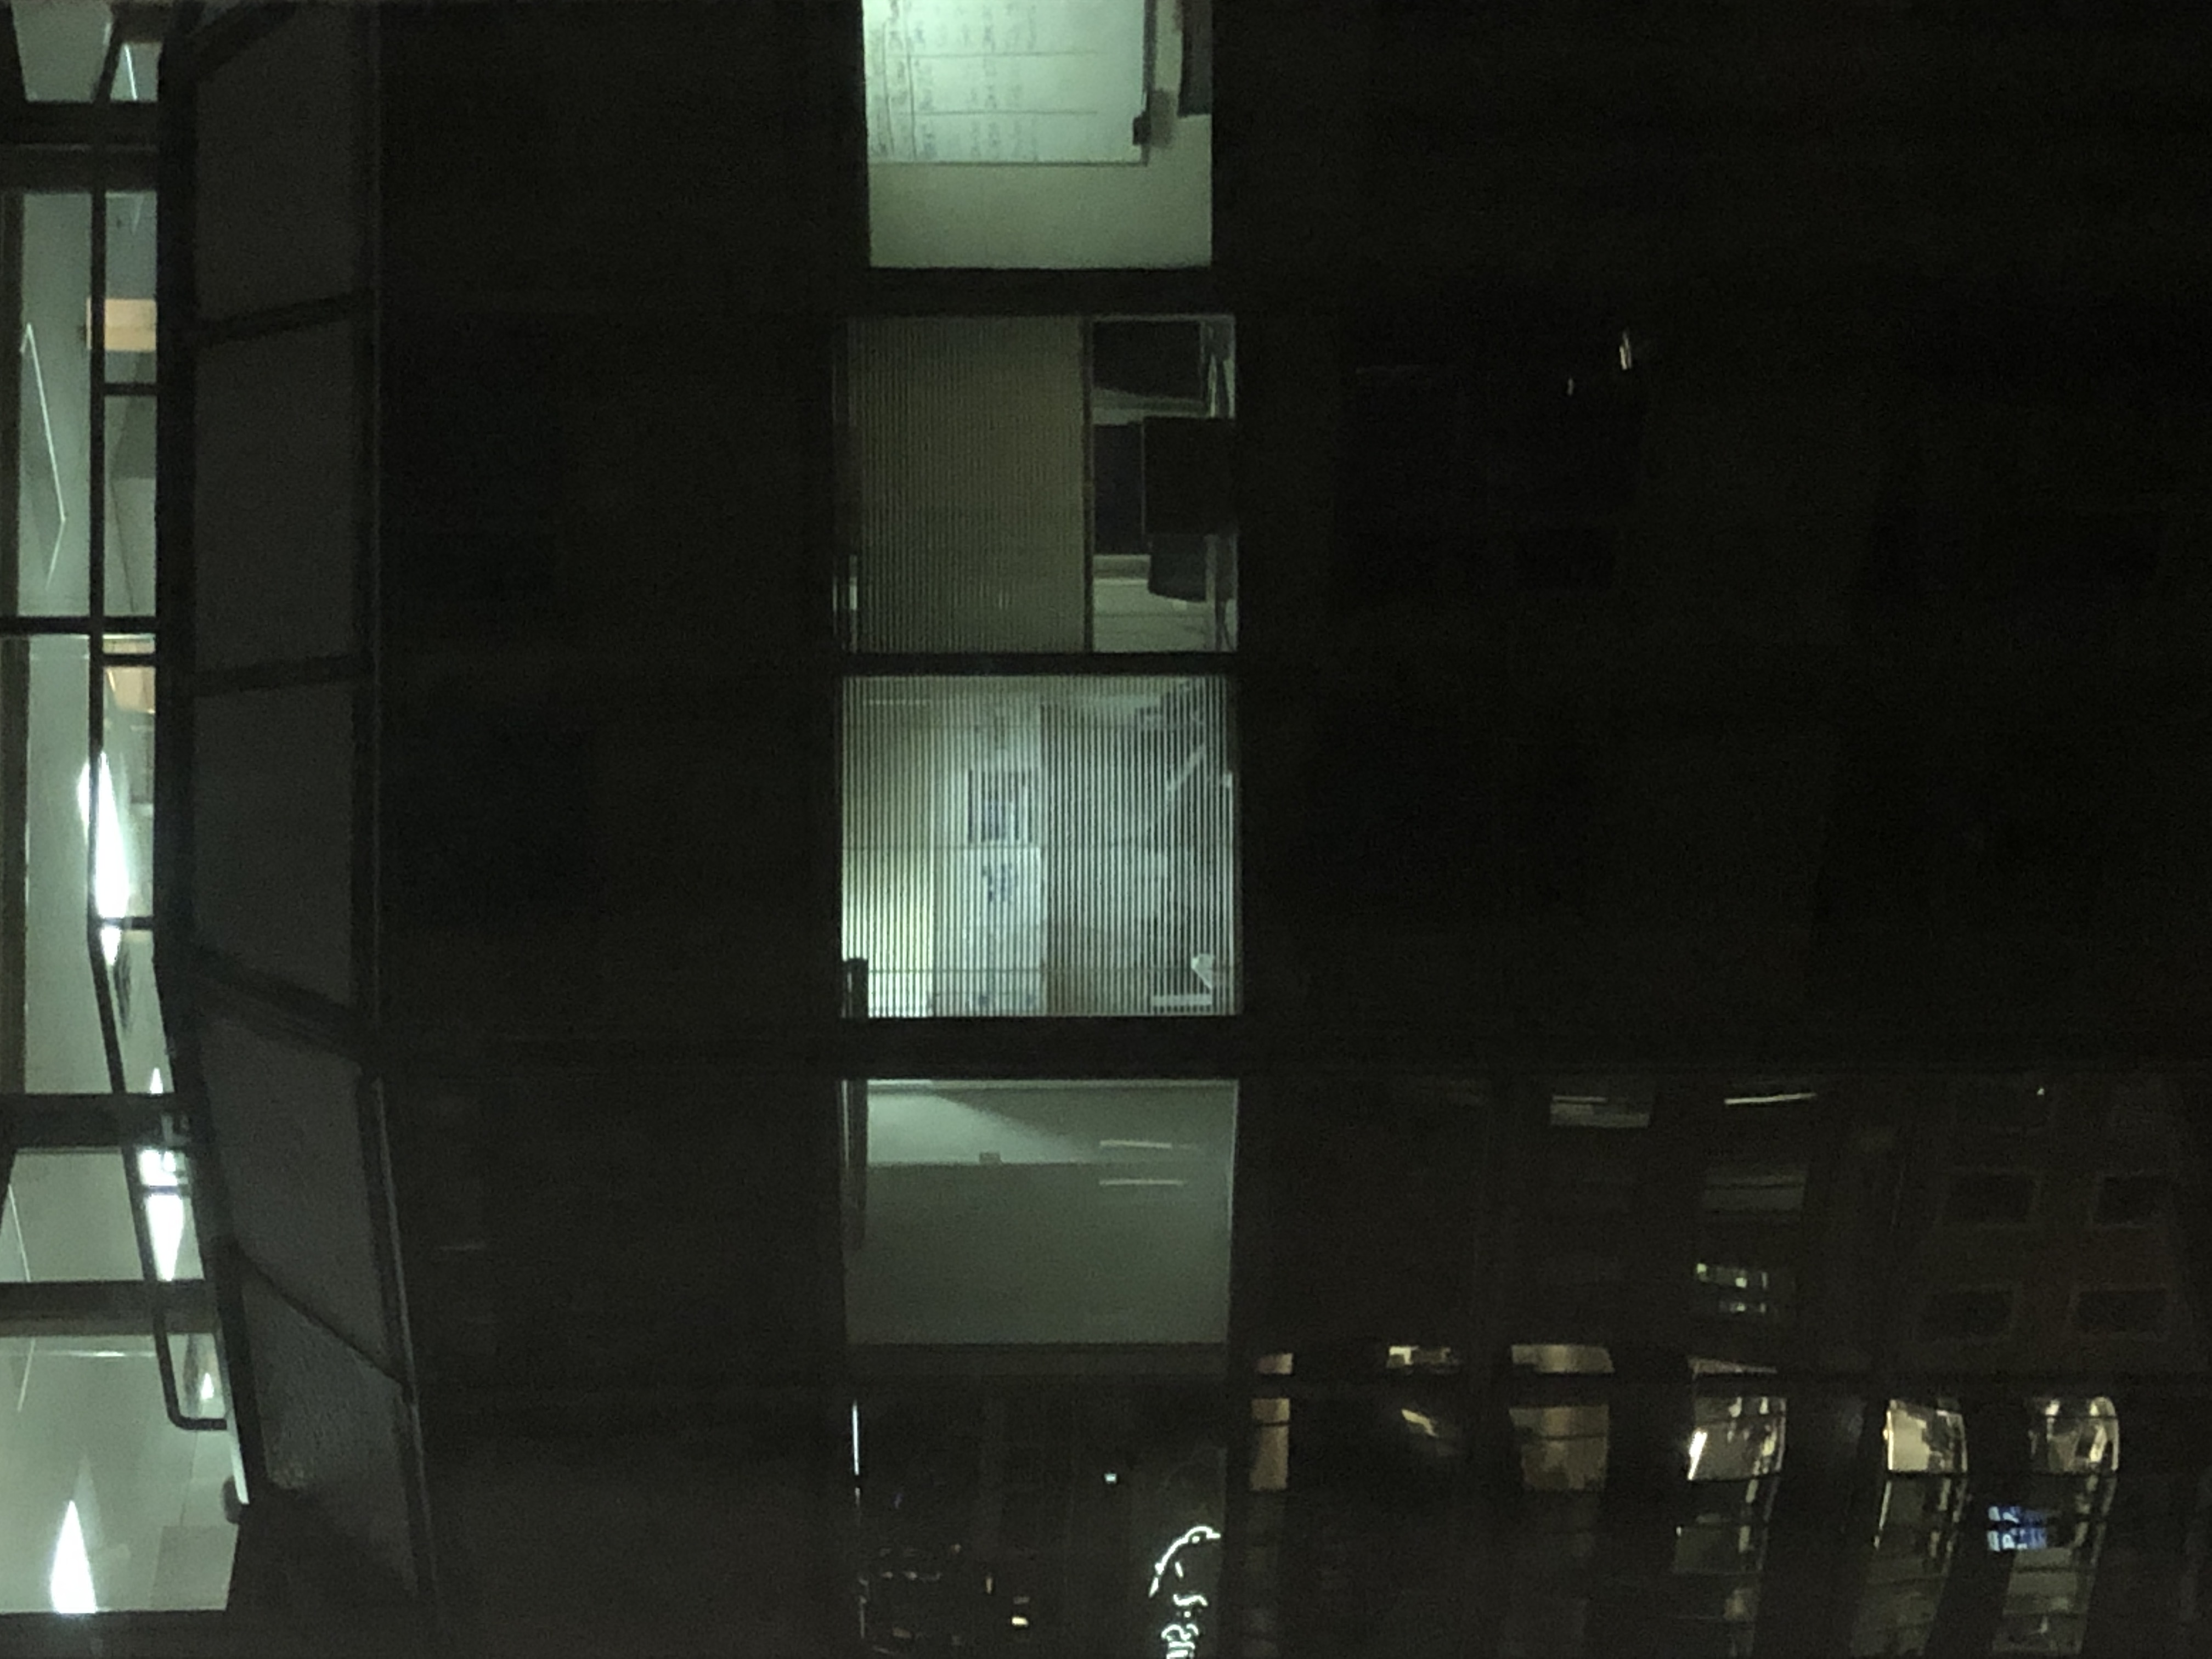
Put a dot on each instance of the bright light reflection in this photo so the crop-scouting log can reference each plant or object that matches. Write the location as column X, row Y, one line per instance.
column 69, row 1586
column 1697, row 1451
column 165, row 1219
column 856, row 1440
column 111, row 870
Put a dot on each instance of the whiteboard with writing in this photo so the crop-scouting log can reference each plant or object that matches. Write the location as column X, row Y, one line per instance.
column 1004, row 80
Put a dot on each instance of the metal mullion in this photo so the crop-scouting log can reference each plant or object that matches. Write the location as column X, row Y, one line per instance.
column 62, row 1307
column 1042, row 665
column 76, row 626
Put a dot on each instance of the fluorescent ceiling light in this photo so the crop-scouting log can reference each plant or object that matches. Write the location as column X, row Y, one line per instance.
column 111, row 870
column 68, row 1585
column 165, row 1219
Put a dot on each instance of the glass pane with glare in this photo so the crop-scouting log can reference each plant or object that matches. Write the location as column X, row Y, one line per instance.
column 106, row 1507
column 2074, row 1437
column 1735, row 1439
column 68, row 1217
column 1923, row 1439
column 61, row 46
column 1563, row 1447
column 1562, row 1359
column 1016, row 1212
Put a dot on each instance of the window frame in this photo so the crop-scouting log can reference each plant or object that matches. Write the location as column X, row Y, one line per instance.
column 2012, row 1293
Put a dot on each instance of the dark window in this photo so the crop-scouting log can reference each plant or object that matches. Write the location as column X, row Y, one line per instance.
column 2119, row 1313
column 2014, row 1105
column 1952, row 1315
column 1990, row 1197
column 1754, row 1189
column 2125, row 1200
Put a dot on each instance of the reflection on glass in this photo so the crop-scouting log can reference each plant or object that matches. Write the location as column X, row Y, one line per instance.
column 2074, row 1437
column 1007, row 1512
column 1036, row 846
column 106, row 1506
column 1742, row 1291
column 55, row 497
column 2054, row 1562
column 1562, row 1359
column 1738, row 1437
column 1409, row 1356
column 1563, row 1447
column 67, row 1216
column 1911, row 1556
column 1014, row 1212
column 1601, row 1102
column 1925, row 1439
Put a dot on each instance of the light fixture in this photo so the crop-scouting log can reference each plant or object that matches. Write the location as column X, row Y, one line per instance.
column 68, row 1584
column 111, row 871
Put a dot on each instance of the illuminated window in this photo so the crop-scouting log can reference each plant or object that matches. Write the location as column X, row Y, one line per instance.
column 1013, row 1211
column 1563, row 1447
column 1924, row 1439
column 1735, row 1437
column 1990, row 1198
column 1601, row 1103
column 2074, row 1437
column 1976, row 1314
column 1742, row 1291
column 1270, row 1444
column 1754, row 1189
column 1562, row 1359
column 1121, row 899
column 1406, row 1357
column 1040, row 483
column 1037, row 135
column 2115, row 1312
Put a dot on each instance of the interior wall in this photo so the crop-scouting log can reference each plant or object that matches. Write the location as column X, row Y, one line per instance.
column 1155, row 214
column 1019, row 1212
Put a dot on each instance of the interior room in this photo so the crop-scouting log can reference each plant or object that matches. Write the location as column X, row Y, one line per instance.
column 1057, row 1213
column 106, row 1504
column 1041, row 483
column 1025, row 133
column 1040, row 846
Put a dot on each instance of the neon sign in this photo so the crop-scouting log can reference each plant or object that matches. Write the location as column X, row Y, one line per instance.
column 1188, row 1594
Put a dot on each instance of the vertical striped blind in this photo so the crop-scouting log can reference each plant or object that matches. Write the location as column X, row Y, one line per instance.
column 969, row 510
column 1037, row 845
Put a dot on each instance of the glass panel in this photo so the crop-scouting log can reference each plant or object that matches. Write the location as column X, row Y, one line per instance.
column 992, row 462
column 61, row 46
column 54, row 471
column 1562, row 1359
column 42, row 725
column 2074, row 1437
column 1057, row 105
column 1740, row 1290
column 68, row 1217
column 138, row 75
column 1008, row 1212
column 1922, row 1439
column 1040, row 1515
column 1563, row 1447
column 1754, row 1188
column 1601, row 1102
column 1738, row 1438
column 1040, row 846
column 106, row 1506
column 132, row 233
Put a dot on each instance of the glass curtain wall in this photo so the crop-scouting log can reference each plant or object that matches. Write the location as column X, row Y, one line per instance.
column 122, row 1475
